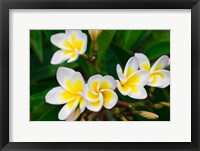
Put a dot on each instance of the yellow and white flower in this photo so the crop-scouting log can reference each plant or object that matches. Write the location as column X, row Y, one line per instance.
column 72, row 43
column 70, row 93
column 132, row 81
column 99, row 91
column 158, row 76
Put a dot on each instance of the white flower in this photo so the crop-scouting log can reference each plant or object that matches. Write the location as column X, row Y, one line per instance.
column 72, row 43
column 99, row 92
column 158, row 76
column 69, row 93
column 132, row 81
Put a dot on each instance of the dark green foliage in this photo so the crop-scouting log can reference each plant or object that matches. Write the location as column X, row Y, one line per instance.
column 115, row 47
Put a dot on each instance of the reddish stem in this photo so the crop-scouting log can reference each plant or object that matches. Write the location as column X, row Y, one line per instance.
column 125, row 104
column 92, row 116
column 84, row 116
column 101, row 115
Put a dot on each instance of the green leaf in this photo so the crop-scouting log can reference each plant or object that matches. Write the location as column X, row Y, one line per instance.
column 47, row 71
column 51, row 114
column 156, row 44
column 156, row 36
column 121, row 54
column 40, row 110
column 45, row 112
column 114, row 57
column 37, row 98
column 36, row 43
column 157, row 50
column 49, row 33
column 86, row 69
column 104, row 41
column 43, row 85
column 132, row 38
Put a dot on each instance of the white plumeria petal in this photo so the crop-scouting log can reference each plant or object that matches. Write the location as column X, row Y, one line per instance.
column 74, row 115
column 74, row 56
column 125, row 90
column 60, row 56
column 107, row 82
column 90, row 95
column 54, row 96
column 165, row 75
column 82, row 105
column 94, row 82
column 96, row 89
column 139, row 77
column 168, row 62
column 109, row 98
column 72, row 43
column 58, row 40
column 131, row 66
column 120, row 73
column 71, row 93
column 68, row 109
column 137, row 92
column 77, row 82
column 64, row 75
column 71, row 31
column 95, row 106
column 81, row 38
column 161, row 63
column 143, row 61
column 155, row 81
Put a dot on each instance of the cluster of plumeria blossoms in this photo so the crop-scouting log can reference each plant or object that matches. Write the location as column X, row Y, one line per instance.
column 99, row 91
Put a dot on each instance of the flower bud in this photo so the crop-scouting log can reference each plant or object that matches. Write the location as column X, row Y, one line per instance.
column 167, row 104
column 94, row 34
column 146, row 114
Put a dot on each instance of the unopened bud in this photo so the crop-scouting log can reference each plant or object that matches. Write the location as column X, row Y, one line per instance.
column 167, row 104
column 146, row 114
column 94, row 34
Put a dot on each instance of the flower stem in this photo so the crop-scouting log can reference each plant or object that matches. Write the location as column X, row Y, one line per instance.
column 83, row 117
column 88, row 58
column 101, row 115
column 92, row 116
column 124, row 104
column 92, row 61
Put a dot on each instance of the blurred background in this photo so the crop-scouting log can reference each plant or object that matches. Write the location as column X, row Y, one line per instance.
column 114, row 47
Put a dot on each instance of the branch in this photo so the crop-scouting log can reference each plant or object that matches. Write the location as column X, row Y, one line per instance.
column 124, row 104
column 101, row 115
column 92, row 116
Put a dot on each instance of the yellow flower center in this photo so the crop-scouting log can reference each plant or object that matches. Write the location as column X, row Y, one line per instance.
column 73, row 44
column 146, row 66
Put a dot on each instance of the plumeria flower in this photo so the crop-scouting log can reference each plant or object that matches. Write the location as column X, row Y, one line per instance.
column 158, row 76
column 99, row 91
column 132, row 81
column 72, row 43
column 70, row 93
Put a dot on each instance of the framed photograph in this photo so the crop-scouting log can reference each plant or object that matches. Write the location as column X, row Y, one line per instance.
column 101, row 75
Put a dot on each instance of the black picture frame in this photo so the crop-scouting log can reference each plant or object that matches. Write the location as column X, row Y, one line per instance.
column 6, row 5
